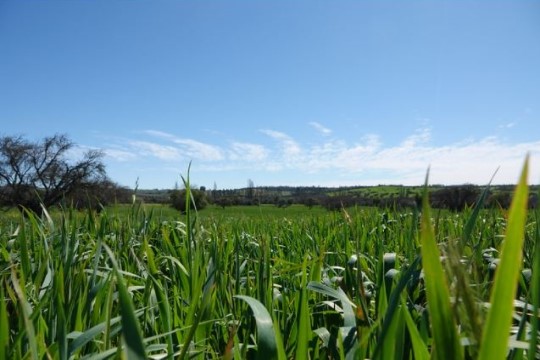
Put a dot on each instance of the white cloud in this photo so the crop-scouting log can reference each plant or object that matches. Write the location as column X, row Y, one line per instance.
column 120, row 155
column 288, row 145
column 198, row 150
column 470, row 162
column 160, row 134
column 248, row 152
column 320, row 128
column 163, row 152
column 190, row 148
column 421, row 136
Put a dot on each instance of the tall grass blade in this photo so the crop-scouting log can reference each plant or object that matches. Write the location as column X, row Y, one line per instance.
column 81, row 339
column 61, row 332
column 348, row 330
column 471, row 221
column 445, row 336
column 393, row 304
column 496, row 334
column 26, row 313
column 4, row 326
column 23, row 247
column 266, row 343
column 131, row 331
column 349, row 316
column 535, row 290
column 419, row 347
column 303, row 318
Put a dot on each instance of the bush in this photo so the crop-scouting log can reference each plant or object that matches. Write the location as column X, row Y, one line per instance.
column 198, row 200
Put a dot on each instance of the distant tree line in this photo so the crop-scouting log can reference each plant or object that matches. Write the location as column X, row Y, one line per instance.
column 454, row 198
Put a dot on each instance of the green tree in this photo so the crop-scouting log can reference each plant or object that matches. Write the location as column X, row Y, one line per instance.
column 198, row 200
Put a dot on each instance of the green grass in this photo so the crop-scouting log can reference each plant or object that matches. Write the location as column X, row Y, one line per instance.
column 266, row 282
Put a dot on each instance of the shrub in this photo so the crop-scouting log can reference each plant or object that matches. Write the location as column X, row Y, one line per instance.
column 197, row 201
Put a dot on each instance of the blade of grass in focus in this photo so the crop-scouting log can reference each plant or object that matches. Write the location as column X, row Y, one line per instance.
column 446, row 342
column 496, row 332
column 303, row 318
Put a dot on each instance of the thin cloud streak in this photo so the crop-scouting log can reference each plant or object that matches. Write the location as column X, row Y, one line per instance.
column 320, row 128
column 190, row 148
column 289, row 146
column 120, row 155
column 163, row 152
column 198, row 150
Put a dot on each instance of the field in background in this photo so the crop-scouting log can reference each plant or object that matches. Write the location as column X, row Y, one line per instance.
column 165, row 212
column 267, row 282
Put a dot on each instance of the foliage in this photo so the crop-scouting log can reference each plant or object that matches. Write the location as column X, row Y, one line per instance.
column 197, row 199
column 34, row 173
column 97, row 194
column 455, row 198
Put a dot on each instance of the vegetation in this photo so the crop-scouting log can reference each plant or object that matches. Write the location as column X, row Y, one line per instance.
column 358, row 283
column 454, row 197
column 182, row 199
column 35, row 173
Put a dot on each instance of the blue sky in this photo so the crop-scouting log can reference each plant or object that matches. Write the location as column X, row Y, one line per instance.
column 282, row 93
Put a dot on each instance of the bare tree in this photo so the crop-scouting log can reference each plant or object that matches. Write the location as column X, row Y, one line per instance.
column 40, row 172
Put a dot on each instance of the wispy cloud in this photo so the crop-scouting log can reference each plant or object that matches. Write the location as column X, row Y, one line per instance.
column 507, row 125
column 248, row 152
column 320, row 128
column 198, row 150
column 288, row 145
column 120, row 155
column 163, row 152
column 420, row 137
column 158, row 133
column 190, row 148
column 335, row 160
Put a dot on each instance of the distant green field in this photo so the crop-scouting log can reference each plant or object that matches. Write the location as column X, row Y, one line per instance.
column 165, row 212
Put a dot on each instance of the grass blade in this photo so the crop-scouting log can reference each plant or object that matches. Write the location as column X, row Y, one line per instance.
column 131, row 331
column 535, row 289
column 4, row 326
column 469, row 225
column 419, row 347
column 393, row 304
column 81, row 339
column 347, row 306
column 495, row 338
column 26, row 313
column 303, row 318
column 266, row 343
column 446, row 341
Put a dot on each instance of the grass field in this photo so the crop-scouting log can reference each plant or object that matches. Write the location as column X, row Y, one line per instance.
column 265, row 282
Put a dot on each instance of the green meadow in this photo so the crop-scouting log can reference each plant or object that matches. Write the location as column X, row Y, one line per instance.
column 261, row 282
